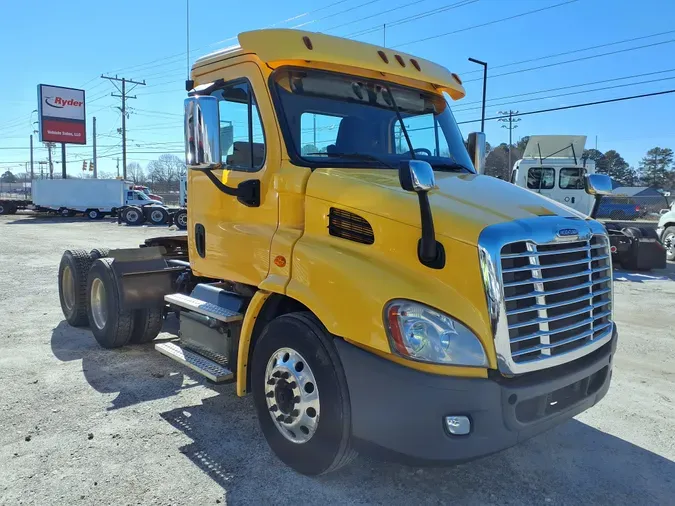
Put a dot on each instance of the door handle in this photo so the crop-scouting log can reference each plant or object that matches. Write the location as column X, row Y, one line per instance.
column 572, row 200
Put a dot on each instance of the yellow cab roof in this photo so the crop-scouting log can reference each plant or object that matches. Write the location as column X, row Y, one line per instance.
column 283, row 46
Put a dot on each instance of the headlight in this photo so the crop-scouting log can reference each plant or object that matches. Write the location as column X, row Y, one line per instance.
column 421, row 333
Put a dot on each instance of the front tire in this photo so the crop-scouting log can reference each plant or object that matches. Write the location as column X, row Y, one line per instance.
column 111, row 325
column 300, row 394
column 180, row 219
column 668, row 240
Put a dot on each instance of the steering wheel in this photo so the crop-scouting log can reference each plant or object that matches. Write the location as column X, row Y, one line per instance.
column 423, row 150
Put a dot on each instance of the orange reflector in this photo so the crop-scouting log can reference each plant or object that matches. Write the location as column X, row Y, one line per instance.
column 399, row 60
column 456, row 78
column 280, row 261
column 415, row 64
column 307, row 42
column 383, row 56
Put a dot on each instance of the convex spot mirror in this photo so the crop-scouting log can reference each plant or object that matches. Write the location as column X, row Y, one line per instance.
column 598, row 184
column 202, row 135
column 416, row 176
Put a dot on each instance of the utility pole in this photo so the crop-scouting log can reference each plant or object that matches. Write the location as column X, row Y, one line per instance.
column 123, row 95
column 51, row 164
column 94, row 154
column 63, row 160
column 118, row 167
column 384, row 35
column 31, row 157
column 511, row 125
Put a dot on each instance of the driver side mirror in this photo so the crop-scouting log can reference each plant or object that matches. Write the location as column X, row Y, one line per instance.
column 202, row 133
column 416, row 176
column 598, row 184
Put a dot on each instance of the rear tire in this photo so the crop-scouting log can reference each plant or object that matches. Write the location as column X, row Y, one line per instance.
column 133, row 215
column 147, row 325
column 158, row 216
column 110, row 324
column 295, row 361
column 97, row 253
column 73, row 272
column 94, row 214
column 180, row 219
column 4, row 208
column 66, row 213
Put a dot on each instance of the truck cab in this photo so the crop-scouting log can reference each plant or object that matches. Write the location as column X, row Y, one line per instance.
column 347, row 265
column 552, row 166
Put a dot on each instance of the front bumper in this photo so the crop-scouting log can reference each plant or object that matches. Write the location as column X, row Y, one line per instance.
column 399, row 412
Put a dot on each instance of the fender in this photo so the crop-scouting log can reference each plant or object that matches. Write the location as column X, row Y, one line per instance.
column 254, row 308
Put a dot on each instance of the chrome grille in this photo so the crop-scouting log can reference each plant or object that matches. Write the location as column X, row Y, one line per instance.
column 557, row 296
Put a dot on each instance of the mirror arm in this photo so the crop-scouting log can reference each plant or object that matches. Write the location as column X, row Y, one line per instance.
column 596, row 206
column 429, row 251
column 248, row 192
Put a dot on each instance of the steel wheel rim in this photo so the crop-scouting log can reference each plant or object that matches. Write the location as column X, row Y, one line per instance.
column 68, row 286
column 132, row 216
column 99, row 309
column 292, row 395
column 182, row 219
column 156, row 216
column 93, row 214
column 668, row 243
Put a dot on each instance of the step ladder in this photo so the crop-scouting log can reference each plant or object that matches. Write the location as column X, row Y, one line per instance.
column 207, row 364
column 202, row 307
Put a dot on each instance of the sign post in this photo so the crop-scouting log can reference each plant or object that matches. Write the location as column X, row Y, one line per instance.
column 62, row 117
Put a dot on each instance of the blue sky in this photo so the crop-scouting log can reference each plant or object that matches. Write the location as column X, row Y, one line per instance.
column 72, row 43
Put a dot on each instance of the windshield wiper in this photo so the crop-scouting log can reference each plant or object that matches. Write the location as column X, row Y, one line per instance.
column 450, row 167
column 355, row 156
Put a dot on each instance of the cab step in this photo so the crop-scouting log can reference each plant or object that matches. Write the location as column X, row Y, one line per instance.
column 195, row 361
column 206, row 308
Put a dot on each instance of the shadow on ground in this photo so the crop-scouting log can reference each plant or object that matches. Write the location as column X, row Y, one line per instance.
column 571, row 464
column 667, row 274
column 135, row 373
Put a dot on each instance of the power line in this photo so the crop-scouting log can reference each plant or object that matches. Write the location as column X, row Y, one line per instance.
column 583, row 58
column 608, row 44
column 522, row 14
column 377, row 14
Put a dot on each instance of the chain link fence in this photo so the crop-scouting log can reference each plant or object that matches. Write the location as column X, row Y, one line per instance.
column 637, row 208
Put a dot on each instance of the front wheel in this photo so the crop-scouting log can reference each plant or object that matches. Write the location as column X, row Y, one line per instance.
column 94, row 214
column 301, row 395
column 180, row 219
column 668, row 240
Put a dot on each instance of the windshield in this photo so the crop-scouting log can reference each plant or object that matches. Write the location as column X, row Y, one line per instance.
column 141, row 196
column 340, row 120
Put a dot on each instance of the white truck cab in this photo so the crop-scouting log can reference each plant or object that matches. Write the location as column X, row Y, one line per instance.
column 552, row 166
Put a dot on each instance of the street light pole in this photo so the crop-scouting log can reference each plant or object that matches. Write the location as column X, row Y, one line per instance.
column 485, row 67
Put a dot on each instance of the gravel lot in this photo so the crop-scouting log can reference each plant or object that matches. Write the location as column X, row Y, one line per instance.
column 82, row 425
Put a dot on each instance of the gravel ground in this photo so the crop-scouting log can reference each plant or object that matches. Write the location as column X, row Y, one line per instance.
column 83, row 425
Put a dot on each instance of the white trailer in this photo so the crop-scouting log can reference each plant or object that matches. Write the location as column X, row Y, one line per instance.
column 93, row 197
column 552, row 166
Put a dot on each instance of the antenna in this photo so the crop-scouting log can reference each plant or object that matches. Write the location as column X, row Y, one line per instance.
column 187, row 26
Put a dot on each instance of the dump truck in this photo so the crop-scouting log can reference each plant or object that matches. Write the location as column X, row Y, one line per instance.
column 347, row 265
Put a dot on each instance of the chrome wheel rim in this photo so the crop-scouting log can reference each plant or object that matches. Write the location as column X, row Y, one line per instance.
column 99, row 309
column 182, row 219
column 132, row 216
column 669, row 244
column 68, row 287
column 292, row 395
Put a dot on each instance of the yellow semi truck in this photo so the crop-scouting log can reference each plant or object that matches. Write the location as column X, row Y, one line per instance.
column 346, row 263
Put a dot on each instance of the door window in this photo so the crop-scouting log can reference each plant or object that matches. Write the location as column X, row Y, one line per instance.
column 572, row 178
column 540, row 178
column 242, row 140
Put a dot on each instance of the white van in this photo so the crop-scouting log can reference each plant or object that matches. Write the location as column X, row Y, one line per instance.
column 552, row 166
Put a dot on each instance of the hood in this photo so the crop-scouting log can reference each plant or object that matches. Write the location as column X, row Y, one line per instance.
column 462, row 206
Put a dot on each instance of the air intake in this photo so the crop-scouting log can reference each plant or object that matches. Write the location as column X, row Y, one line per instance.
column 349, row 226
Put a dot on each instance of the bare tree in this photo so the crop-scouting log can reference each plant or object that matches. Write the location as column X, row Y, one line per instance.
column 135, row 173
column 165, row 171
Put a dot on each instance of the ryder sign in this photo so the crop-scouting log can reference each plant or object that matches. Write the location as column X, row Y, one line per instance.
column 62, row 115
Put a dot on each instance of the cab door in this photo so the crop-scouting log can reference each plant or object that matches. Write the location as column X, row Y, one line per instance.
column 572, row 190
column 230, row 239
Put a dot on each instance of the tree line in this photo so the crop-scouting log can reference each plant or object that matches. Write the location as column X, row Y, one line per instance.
column 656, row 169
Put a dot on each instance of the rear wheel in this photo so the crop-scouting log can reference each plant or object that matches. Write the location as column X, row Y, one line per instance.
column 180, row 219
column 94, row 214
column 99, row 253
column 4, row 208
column 73, row 272
column 111, row 325
column 66, row 213
column 133, row 215
column 158, row 216
column 301, row 395
column 147, row 325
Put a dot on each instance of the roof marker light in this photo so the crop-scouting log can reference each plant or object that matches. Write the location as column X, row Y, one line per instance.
column 415, row 64
column 399, row 60
column 456, row 78
column 383, row 56
column 308, row 42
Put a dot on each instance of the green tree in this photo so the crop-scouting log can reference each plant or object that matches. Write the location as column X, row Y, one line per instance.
column 656, row 167
column 598, row 157
column 522, row 143
column 8, row 177
column 618, row 169
column 497, row 161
